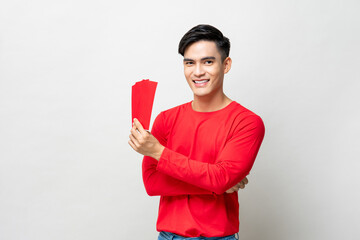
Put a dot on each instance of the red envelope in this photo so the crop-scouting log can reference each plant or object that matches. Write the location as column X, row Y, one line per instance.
column 142, row 99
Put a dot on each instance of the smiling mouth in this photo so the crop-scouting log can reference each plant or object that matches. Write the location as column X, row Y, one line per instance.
column 200, row 81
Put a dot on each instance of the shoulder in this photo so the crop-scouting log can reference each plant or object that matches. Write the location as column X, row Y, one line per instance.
column 244, row 118
column 243, row 113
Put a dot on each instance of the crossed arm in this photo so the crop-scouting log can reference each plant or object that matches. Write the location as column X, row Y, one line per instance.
column 156, row 182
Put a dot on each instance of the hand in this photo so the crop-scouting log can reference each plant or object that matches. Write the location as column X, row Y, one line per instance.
column 144, row 142
column 240, row 185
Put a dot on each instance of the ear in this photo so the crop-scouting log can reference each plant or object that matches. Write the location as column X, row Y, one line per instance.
column 227, row 65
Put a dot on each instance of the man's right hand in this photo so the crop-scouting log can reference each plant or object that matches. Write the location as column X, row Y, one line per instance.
column 240, row 185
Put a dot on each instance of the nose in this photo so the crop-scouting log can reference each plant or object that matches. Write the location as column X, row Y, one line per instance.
column 199, row 71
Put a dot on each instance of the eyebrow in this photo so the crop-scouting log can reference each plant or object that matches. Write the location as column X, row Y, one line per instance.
column 202, row 59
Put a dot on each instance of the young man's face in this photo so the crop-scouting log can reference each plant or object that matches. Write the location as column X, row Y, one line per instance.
column 204, row 70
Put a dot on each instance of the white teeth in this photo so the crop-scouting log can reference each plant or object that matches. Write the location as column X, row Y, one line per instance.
column 203, row 81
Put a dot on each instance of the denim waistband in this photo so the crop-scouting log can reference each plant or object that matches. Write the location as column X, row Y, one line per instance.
column 172, row 236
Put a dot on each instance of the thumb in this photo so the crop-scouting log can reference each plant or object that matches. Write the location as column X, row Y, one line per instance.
column 139, row 126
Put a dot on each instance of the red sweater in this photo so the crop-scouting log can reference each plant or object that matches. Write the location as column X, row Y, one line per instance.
column 205, row 154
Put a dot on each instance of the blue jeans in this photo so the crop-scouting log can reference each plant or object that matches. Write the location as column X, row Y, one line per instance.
column 172, row 236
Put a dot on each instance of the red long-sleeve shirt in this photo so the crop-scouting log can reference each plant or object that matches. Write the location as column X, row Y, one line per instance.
column 205, row 154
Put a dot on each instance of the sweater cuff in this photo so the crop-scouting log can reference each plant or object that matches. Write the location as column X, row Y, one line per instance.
column 161, row 166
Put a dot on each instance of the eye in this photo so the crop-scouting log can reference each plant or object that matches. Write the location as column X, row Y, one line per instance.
column 208, row 62
column 188, row 63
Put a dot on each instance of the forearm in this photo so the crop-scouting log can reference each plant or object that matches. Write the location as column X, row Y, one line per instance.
column 233, row 164
column 213, row 177
column 159, row 184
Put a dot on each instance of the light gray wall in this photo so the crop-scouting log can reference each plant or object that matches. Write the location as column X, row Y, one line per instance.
column 66, row 70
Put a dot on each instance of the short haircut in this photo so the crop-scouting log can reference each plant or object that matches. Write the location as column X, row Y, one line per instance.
column 205, row 32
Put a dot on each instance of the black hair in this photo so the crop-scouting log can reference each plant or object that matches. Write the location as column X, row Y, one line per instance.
column 206, row 33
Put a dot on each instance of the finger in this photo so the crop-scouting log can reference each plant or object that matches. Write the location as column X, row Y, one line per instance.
column 134, row 141
column 245, row 180
column 136, row 134
column 233, row 189
column 139, row 126
column 132, row 145
column 230, row 190
column 242, row 186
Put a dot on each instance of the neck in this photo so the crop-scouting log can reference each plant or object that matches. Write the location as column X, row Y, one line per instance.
column 210, row 103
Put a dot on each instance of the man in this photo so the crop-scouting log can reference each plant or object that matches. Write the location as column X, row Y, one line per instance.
column 198, row 152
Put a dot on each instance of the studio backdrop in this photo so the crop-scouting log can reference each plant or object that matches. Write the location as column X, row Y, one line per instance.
column 66, row 71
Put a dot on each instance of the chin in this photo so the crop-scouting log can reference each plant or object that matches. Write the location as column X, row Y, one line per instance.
column 201, row 94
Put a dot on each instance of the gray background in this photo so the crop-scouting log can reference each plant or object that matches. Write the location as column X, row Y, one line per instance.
column 66, row 71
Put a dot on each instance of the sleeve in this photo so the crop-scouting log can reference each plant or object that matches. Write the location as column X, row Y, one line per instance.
column 157, row 183
column 232, row 165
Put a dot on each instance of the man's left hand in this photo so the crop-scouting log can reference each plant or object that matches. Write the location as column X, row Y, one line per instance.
column 144, row 142
column 240, row 185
